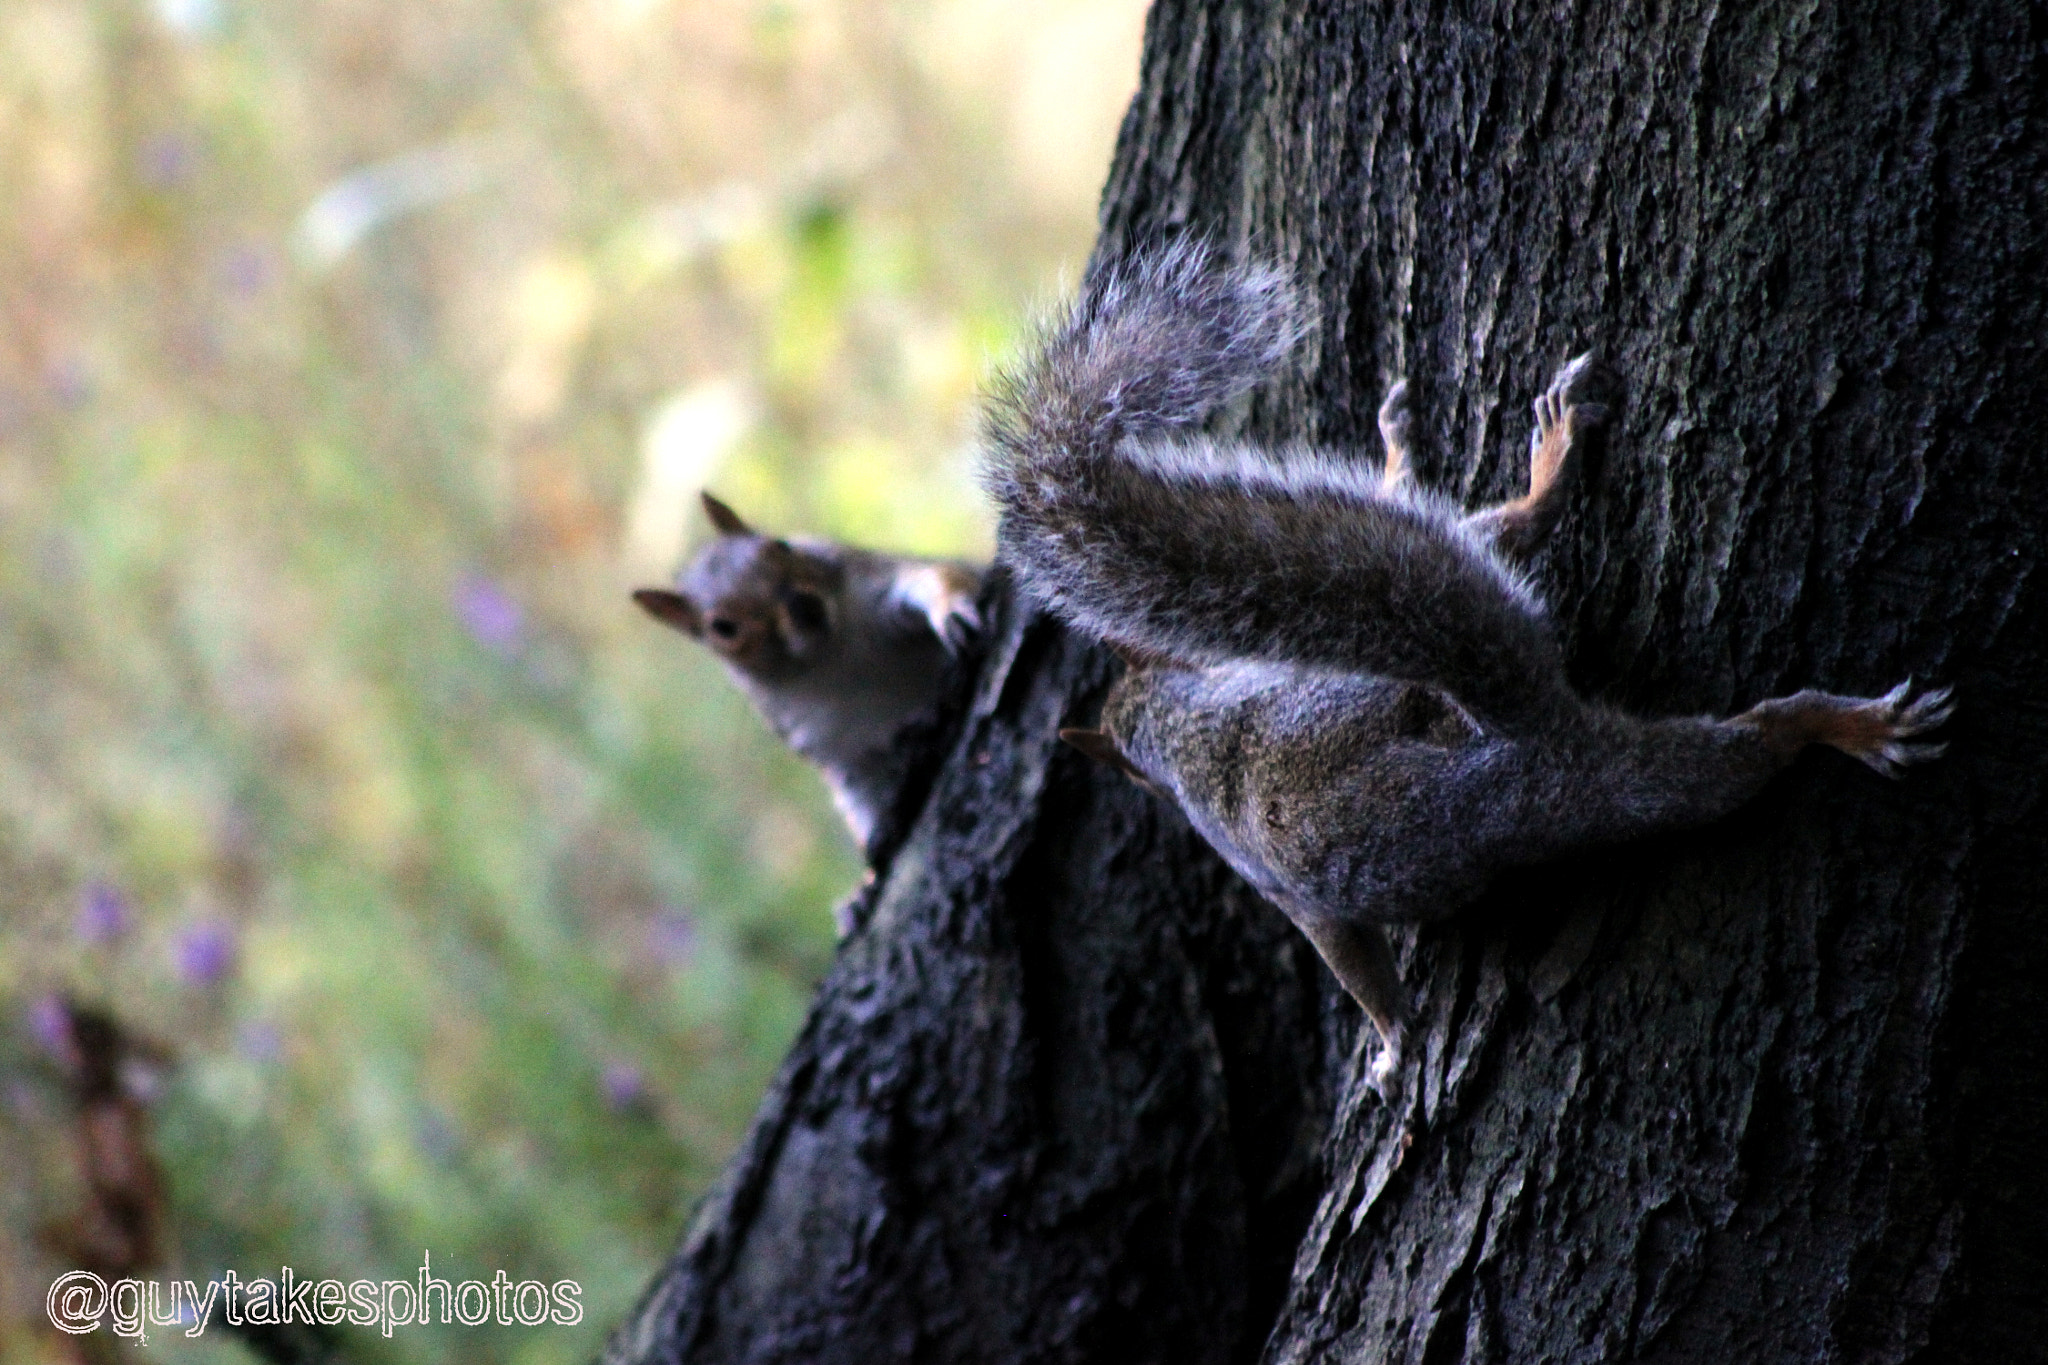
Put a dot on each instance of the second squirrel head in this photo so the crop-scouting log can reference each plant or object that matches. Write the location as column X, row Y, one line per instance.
column 765, row 606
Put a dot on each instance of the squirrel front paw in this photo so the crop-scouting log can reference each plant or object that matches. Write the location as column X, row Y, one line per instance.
column 944, row 594
column 1396, row 419
column 1558, row 419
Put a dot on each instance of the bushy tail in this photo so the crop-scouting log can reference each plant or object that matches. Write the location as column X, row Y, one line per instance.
column 1152, row 345
column 1126, row 521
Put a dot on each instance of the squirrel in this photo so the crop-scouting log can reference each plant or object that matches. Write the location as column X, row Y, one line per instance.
column 1348, row 684
column 840, row 649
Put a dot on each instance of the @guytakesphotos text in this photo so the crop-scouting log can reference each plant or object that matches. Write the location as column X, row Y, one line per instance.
column 80, row 1302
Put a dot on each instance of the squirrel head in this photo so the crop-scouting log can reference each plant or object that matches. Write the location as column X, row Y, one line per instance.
column 761, row 604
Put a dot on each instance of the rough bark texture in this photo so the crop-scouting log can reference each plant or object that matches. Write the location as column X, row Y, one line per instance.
column 1772, row 1091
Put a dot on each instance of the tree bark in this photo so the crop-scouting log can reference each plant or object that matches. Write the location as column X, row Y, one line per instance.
column 1769, row 1091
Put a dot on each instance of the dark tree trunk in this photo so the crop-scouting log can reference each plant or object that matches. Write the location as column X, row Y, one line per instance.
column 1775, row 1090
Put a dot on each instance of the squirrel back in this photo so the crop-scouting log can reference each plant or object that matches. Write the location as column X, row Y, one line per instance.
column 1142, row 531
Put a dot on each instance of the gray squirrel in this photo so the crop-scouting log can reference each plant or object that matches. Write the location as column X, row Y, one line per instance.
column 1348, row 684
column 840, row 649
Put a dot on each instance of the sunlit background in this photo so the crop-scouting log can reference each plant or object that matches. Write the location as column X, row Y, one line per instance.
column 356, row 358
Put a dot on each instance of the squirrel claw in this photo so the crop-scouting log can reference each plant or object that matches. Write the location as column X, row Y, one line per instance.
column 962, row 624
column 1919, row 714
column 1892, row 760
column 1915, row 753
column 944, row 594
column 1569, row 372
column 1395, row 414
column 1385, row 1076
column 1556, row 398
column 1553, row 406
column 1927, row 711
column 1875, row 731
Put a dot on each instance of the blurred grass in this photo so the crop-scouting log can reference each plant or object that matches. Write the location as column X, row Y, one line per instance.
column 357, row 357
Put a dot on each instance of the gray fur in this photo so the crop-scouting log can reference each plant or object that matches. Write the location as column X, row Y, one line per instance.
column 1344, row 681
column 1136, row 529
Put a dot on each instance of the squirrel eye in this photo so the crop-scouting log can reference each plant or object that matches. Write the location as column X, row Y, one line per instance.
column 724, row 627
column 806, row 611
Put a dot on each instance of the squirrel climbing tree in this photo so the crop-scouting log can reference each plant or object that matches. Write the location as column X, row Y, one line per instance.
column 1771, row 1090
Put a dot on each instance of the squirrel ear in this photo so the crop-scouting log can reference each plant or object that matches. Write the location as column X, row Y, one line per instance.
column 724, row 518
column 672, row 609
column 1137, row 660
column 1101, row 746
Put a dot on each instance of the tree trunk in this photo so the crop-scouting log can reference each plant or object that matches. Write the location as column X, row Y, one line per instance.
column 1768, row 1091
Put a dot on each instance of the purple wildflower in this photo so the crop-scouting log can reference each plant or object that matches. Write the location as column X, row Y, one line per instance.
column 491, row 617
column 206, row 953
column 70, row 384
column 102, row 913
column 168, row 159
column 49, row 1019
column 625, row 1088
column 248, row 270
column 672, row 937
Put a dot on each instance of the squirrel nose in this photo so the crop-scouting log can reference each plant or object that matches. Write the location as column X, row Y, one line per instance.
column 724, row 627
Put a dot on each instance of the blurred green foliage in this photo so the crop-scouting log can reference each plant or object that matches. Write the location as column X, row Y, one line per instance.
column 358, row 357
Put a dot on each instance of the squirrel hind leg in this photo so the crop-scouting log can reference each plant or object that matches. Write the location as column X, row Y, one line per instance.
column 1872, row 730
column 1363, row 962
